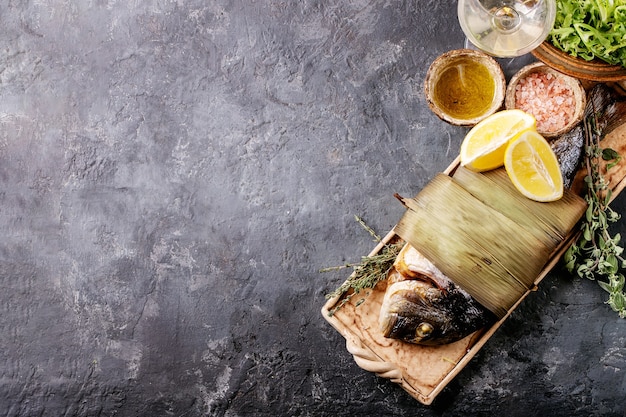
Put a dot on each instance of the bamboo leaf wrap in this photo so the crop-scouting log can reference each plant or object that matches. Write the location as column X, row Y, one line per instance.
column 486, row 240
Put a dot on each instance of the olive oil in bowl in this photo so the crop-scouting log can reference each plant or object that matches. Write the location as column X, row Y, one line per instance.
column 464, row 86
column 465, row 89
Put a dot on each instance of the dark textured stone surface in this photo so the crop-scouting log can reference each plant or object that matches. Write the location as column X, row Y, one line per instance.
column 174, row 174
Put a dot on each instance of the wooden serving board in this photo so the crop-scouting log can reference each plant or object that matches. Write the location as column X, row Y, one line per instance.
column 424, row 371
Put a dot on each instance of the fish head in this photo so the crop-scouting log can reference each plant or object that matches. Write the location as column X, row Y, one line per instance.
column 411, row 312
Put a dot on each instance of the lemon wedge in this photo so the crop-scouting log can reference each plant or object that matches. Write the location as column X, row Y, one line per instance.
column 533, row 167
column 484, row 145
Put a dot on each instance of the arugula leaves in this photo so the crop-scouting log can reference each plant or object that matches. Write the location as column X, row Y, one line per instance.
column 591, row 29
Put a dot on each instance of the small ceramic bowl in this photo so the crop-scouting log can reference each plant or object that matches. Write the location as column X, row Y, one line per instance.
column 464, row 86
column 556, row 100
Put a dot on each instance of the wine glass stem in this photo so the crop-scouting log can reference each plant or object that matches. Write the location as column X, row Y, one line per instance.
column 506, row 19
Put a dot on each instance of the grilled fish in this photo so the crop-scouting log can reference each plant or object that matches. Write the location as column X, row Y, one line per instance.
column 423, row 306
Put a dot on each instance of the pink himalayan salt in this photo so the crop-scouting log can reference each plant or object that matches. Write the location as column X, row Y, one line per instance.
column 546, row 97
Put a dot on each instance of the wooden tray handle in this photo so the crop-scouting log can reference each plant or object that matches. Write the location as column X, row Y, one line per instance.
column 368, row 361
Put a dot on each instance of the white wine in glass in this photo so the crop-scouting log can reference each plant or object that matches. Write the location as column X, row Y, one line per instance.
column 506, row 28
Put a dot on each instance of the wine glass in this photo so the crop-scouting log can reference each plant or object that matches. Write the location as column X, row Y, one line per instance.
column 506, row 28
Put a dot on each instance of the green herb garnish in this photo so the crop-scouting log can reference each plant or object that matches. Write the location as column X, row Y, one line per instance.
column 597, row 255
column 591, row 29
column 367, row 273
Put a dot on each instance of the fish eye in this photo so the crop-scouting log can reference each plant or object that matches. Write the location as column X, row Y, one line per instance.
column 424, row 330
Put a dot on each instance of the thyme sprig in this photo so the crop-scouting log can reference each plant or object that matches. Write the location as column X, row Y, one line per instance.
column 367, row 273
column 597, row 255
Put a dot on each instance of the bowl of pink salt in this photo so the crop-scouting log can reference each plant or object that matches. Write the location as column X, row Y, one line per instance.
column 557, row 101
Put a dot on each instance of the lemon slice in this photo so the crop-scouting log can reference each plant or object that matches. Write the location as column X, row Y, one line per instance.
column 533, row 167
column 484, row 145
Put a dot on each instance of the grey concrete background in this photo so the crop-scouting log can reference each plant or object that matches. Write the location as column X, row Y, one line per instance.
column 175, row 173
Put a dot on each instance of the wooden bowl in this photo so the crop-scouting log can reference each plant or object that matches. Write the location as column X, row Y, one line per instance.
column 455, row 58
column 576, row 87
column 595, row 70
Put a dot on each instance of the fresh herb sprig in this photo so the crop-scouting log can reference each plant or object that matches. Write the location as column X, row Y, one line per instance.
column 367, row 273
column 597, row 255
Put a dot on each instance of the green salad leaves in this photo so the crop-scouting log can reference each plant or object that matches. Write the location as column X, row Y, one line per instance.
column 591, row 29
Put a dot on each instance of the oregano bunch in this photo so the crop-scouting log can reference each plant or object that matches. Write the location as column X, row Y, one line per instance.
column 597, row 255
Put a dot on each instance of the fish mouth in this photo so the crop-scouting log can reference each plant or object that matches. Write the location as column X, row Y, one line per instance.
column 388, row 323
column 401, row 299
